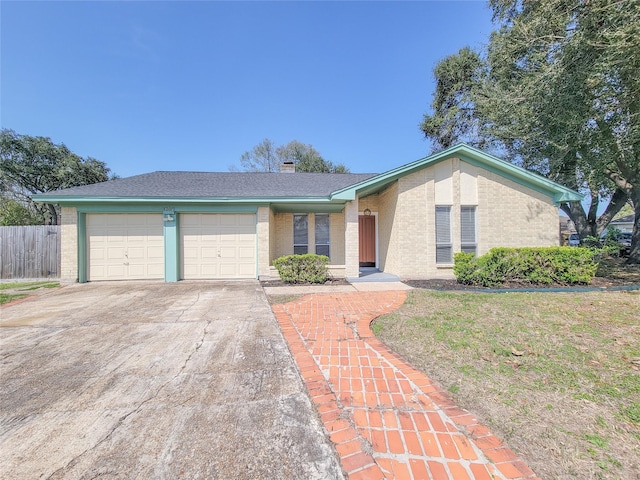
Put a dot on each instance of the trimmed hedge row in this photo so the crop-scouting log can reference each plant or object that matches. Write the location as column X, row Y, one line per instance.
column 537, row 265
column 308, row 268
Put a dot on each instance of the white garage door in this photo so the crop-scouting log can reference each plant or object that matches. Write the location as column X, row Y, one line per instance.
column 125, row 246
column 218, row 245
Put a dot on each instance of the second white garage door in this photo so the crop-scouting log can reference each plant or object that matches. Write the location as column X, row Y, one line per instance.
column 217, row 245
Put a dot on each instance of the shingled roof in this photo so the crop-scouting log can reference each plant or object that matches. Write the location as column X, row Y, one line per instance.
column 217, row 185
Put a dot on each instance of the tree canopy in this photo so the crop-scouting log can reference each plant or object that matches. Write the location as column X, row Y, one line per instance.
column 267, row 157
column 31, row 165
column 557, row 90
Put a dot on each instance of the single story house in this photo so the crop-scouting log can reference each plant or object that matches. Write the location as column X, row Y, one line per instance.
column 408, row 221
column 624, row 224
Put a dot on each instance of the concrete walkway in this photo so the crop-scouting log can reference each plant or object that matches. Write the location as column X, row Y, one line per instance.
column 387, row 419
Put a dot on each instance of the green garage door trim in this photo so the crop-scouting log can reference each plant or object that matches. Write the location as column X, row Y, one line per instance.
column 124, row 246
column 171, row 231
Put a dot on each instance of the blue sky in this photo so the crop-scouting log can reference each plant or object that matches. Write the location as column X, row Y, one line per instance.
column 147, row 86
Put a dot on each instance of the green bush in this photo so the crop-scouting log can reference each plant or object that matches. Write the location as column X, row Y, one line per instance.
column 536, row 265
column 308, row 268
column 607, row 246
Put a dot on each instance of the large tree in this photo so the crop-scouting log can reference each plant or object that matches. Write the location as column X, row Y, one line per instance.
column 557, row 90
column 266, row 157
column 31, row 165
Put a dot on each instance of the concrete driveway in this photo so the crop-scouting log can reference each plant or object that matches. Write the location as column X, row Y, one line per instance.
column 154, row 380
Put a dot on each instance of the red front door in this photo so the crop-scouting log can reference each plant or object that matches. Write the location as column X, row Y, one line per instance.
column 367, row 237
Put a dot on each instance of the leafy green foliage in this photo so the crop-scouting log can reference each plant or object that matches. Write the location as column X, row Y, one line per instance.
column 31, row 165
column 267, row 157
column 13, row 212
column 308, row 268
column 536, row 265
column 556, row 90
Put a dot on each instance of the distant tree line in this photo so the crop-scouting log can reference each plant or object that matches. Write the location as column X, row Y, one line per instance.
column 267, row 157
column 32, row 165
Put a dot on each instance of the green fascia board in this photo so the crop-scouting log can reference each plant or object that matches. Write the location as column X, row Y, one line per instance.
column 472, row 155
column 141, row 208
column 307, row 208
column 195, row 205
column 178, row 202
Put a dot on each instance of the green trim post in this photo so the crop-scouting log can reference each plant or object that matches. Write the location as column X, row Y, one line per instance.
column 82, row 247
column 171, row 245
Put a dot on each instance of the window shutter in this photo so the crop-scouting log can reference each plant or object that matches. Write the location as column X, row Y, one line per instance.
column 443, row 225
column 323, row 236
column 468, row 239
column 444, row 248
column 300, row 234
column 468, row 225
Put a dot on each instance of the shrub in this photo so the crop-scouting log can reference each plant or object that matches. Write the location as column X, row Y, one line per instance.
column 308, row 268
column 536, row 265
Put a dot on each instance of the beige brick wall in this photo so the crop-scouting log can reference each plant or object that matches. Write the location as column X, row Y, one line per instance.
column 511, row 215
column 402, row 226
column 282, row 237
column 508, row 214
column 386, row 233
column 264, row 232
column 272, row 235
column 351, row 242
column 69, row 245
column 370, row 202
column 283, row 240
column 336, row 227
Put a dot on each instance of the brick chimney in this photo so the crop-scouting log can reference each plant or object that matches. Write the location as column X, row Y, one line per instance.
column 288, row 167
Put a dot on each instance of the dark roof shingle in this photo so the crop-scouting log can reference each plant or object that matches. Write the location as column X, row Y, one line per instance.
column 219, row 184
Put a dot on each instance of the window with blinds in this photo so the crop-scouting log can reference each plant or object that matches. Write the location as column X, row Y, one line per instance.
column 444, row 248
column 468, row 241
column 300, row 234
column 322, row 234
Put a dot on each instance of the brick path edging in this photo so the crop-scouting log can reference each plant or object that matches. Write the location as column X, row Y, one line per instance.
column 360, row 464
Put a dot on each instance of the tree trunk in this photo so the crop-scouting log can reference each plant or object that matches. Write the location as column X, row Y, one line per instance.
column 54, row 214
column 579, row 218
column 634, row 254
column 590, row 225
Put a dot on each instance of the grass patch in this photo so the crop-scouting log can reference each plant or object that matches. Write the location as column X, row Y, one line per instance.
column 277, row 299
column 10, row 297
column 25, row 286
column 556, row 375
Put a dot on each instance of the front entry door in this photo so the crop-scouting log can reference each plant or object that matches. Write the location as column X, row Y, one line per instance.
column 367, row 237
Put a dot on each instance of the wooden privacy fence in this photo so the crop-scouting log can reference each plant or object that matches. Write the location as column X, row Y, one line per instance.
column 30, row 251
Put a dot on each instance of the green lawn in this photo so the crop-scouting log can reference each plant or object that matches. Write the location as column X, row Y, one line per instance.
column 10, row 291
column 556, row 375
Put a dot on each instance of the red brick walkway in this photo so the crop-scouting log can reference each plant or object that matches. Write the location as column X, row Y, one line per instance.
column 387, row 419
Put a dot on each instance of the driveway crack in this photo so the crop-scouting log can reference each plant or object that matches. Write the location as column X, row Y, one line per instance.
column 135, row 410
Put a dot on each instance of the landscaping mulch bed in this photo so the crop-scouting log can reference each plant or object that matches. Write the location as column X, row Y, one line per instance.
column 280, row 283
